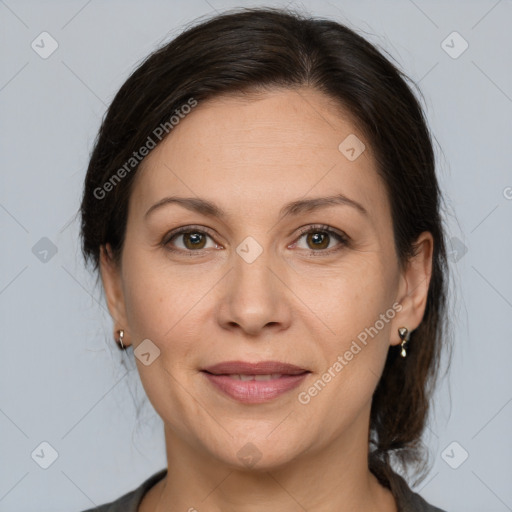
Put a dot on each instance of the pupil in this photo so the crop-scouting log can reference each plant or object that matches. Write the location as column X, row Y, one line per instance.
column 193, row 239
column 319, row 239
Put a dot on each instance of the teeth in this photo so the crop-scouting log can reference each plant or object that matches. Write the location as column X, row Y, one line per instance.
column 270, row 376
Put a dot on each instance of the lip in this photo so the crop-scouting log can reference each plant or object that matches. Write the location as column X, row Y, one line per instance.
column 255, row 391
column 259, row 368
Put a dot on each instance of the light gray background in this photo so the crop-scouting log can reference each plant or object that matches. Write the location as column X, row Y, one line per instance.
column 61, row 375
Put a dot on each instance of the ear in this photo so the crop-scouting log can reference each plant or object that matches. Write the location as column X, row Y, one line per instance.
column 413, row 287
column 112, row 284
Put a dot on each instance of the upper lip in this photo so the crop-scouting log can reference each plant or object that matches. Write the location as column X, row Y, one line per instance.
column 260, row 368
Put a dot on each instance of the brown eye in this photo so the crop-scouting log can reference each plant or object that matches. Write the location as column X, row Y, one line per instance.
column 318, row 240
column 194, row 240
column 322, row 240
column 188, row 239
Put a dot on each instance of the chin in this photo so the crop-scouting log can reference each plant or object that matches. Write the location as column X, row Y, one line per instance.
column 258, row 454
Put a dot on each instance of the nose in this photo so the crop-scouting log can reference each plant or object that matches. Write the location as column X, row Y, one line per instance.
column 255, row 297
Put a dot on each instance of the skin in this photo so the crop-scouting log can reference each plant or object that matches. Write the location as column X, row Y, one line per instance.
column 251, row 156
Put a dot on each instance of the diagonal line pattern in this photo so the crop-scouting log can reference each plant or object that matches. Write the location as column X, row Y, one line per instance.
column 428, row 72
column 80, row 80
column 488, row 215
column 14, row 76
column 97, row 402
column 424, row 14
column 68, row 223
column 492, row 418
column 177, row 177
column 13, row 13
column 75, row 15
column 78, row 488
column 279, row 424
column 432, row 432
column 493, row 287
column 212, row 6
column 508, row 508
column 285, row 490
column 427, row 482
column 14, row 485
column 14, row 423
column 13, row 279
column 485, row 15
column 85, row 289
column 217, row 486
column 491, row 80
column 13, row 218
column 296, row 91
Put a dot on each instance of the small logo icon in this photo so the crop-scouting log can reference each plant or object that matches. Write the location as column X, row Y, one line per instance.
column 454, row 45
column 456, row 249
column 352, row 147
column 44, row 45
column 44, row 250
column 146, row 352
column 44, row 455
column 249, row 249
column 454, row 455
column 249, row 455
column 507, row 192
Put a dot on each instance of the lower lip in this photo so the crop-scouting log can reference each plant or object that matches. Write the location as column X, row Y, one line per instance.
column 254, row 391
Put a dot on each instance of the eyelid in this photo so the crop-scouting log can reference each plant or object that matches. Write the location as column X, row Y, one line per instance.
column 187, row 229
column 322, row 227
column 342, row 237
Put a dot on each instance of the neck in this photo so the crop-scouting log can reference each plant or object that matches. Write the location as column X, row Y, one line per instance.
column 334, row 478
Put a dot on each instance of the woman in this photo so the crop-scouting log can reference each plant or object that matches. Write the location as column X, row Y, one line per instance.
column 263, row 208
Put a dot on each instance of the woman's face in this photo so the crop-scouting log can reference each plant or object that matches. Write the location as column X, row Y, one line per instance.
column 248, row 284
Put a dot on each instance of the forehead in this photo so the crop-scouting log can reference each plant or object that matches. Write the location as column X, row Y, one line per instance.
column 261, row 150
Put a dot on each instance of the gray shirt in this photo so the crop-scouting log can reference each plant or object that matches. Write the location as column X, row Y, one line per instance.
column 407, row 500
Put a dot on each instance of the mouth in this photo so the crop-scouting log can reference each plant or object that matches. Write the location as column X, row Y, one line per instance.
column 262, row 368
column 253, row 383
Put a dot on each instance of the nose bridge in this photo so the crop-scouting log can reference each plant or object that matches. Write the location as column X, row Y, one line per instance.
column 255, row 296
column 252, row 276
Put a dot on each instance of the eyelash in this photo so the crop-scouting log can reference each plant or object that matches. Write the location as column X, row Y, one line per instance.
column 316, row 228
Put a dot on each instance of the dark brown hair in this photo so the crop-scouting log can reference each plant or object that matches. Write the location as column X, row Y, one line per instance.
column 263, row 48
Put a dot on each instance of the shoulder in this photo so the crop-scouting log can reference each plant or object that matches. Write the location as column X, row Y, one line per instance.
column 407, row 500
column 415, row 503
column 130, row 501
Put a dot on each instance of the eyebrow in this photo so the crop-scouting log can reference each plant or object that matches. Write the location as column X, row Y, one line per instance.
column 294, row 208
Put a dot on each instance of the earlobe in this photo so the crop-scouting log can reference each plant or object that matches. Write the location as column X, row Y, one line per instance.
column 414, row 284
column 111, row 279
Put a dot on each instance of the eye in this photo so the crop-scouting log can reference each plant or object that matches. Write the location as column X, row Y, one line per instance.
column 319, row 239
column 192, row 239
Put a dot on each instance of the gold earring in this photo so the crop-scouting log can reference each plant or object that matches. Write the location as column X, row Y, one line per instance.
column 119, row 339
column 404, row 334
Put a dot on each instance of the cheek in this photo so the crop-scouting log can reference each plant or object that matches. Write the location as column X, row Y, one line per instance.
column 163, row 307
column 349, row 298
column 156, row 309
column 150, row 299
column 355, row 346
